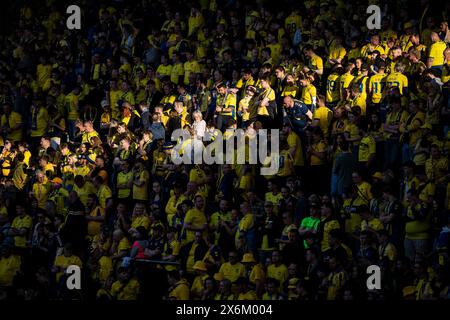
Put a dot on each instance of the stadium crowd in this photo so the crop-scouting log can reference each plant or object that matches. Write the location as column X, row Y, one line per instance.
column 87, row 177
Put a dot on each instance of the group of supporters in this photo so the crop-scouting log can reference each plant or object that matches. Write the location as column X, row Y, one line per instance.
column 88, row 176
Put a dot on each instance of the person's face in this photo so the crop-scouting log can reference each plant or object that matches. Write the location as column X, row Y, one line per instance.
column 40, row 177
column 290, row 80
column 198, row 237
column 223, row 205
column 287, row 102
column 279, row 74
column 232, row 258
column 90, row 202
column 268, row 208
column 285, row 192
column 356, row 178
column 396, row 53
column 124, row 144
column 276, row 257
column 121, row 129
column 156, row 187
column 332, row 263
column 199, row 202
column 375, row 40
column 435, row 152
column 139, row 209
column 325, row 211
column 309, row 256
column 264, row 84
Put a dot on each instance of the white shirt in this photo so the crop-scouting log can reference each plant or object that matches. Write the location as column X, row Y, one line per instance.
column 200, row 128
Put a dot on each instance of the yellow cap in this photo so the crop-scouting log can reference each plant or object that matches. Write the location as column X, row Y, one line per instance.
column 248, row 257
column 408, row 25
column 218, row 276
column 57, row 180
column 377, row 175
column 200, row 265
column 407, row 291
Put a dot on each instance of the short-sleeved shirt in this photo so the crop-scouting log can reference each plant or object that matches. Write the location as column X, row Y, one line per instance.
column 197, row 219
column 397, row 79
column 437, row 53
column 310, row 223
column 232, row 272
column 24, row 222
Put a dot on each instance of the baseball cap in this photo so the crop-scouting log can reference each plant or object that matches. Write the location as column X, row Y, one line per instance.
column 57, row 180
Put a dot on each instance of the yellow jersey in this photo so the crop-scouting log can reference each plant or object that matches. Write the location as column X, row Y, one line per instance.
column 333, row 88
column 397, row 79
column 377, row 83
column 437, row 53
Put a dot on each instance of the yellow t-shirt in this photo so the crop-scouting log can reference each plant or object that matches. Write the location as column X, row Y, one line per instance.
column 197, row 219
column 364, row 194
column 333, row 88
column 124, row 245
column 106, row 268
column 141, row 193
column 374, row 224
column 13, row 120
column 25, row 222
column 103, row 194
column 8, row 269
column 41, row 191
column 246, row 223
column 344, row 81
column 176, row 72
column 93, row 227
column 86, row 137
column 181, row 291
column 324, row 115
column 43, row 73
column 128, row 292
column 437, row 53
column 397, row 79
column 330, row 225
column 318, row 147
column 63, row 262
column 294, row 141
column 123, row 179
column 71, row 104
column 84, row 191
column 368, row 48
column 164, row 71
column 279, row 273
column 190, row 67
column 309, row 94
column 171, row 206
column 257, row 274
column 232, row 272
column 376, row 86
column 316, row 63
column 39, row 121
column 268, row 93
column 140, row 221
